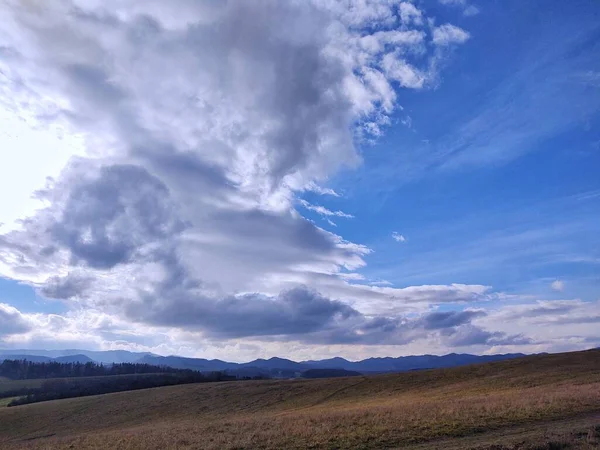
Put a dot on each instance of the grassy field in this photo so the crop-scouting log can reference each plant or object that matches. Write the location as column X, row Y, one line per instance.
column 548, row 402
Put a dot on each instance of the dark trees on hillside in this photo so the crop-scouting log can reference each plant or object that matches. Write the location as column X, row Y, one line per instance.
column 66, row 380
column 81, row 387
column 27, row 370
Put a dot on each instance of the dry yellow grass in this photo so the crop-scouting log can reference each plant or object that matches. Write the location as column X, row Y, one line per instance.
column 385, row 411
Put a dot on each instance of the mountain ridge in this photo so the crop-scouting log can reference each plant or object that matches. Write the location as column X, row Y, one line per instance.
column 275, row 366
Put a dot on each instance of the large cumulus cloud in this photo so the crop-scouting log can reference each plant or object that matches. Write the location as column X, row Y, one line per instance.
column 202, row 122
column 12, row 321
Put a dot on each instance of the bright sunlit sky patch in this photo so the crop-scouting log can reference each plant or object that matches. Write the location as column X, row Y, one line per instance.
column 300, row 179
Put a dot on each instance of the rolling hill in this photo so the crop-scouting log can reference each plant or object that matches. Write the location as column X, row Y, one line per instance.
column 541, row 401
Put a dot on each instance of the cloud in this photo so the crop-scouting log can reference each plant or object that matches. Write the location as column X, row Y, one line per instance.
column 398, row 237
column 448, row 319
column 202, row 122
column 410, row 14
column 590, row 78
column 558, row 285
column 238, row 322
column 324, row 211
column 470, row 335
column 468, row 10
column 552, row 325
column 447, row 34
column 312, row 187
column 65, row 288
column 403, row 72
column 12, row 321
column 391, row 301
column 107, row 219
column 471, row 10
column 521, row 111
column 299, row 314
column 557, row 312
column 295, row 312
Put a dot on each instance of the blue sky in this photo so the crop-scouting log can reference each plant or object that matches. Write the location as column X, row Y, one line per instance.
column 313, row 183
column 496, row 179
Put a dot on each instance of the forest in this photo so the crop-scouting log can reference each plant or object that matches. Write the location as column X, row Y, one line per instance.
column 21, row 369
column 67, row 380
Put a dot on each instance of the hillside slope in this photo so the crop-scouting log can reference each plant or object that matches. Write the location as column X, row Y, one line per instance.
column 382, row 411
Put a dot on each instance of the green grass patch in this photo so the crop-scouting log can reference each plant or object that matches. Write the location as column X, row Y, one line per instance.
column 5, row 401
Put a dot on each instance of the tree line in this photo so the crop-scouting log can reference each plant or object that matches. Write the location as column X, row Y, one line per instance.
column 53, row 389
column 27, row 370
column 66, row 380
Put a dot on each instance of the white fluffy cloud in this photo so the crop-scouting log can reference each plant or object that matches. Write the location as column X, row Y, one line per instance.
column 558, row 285
column 448, row 34
column 12, row 321
column 200, row 124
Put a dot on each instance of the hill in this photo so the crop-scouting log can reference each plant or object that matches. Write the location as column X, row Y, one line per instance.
column 74, row 359
column 273, row 367
column 548, row 401
column 329, row 373
column 179, row 362
column 32, row 358
column 105, row 357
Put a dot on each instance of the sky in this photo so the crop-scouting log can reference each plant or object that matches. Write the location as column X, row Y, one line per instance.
column 302, row 179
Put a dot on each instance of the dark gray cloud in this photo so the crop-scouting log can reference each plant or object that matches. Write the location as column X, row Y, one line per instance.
column 67, row 287
column 300, row 313
column 468, row 335
column 437, row 320
column 106, row 220
column 455, row 328
column 293, row 312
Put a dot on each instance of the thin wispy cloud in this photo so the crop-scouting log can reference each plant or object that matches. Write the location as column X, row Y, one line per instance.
column 324, row 211
column 398, row 237
column 312, row 187
column 468, row 9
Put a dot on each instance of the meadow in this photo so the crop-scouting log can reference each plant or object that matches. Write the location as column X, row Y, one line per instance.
column 538, row 402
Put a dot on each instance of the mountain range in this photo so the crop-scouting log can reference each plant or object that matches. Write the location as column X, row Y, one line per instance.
column 274, row 366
